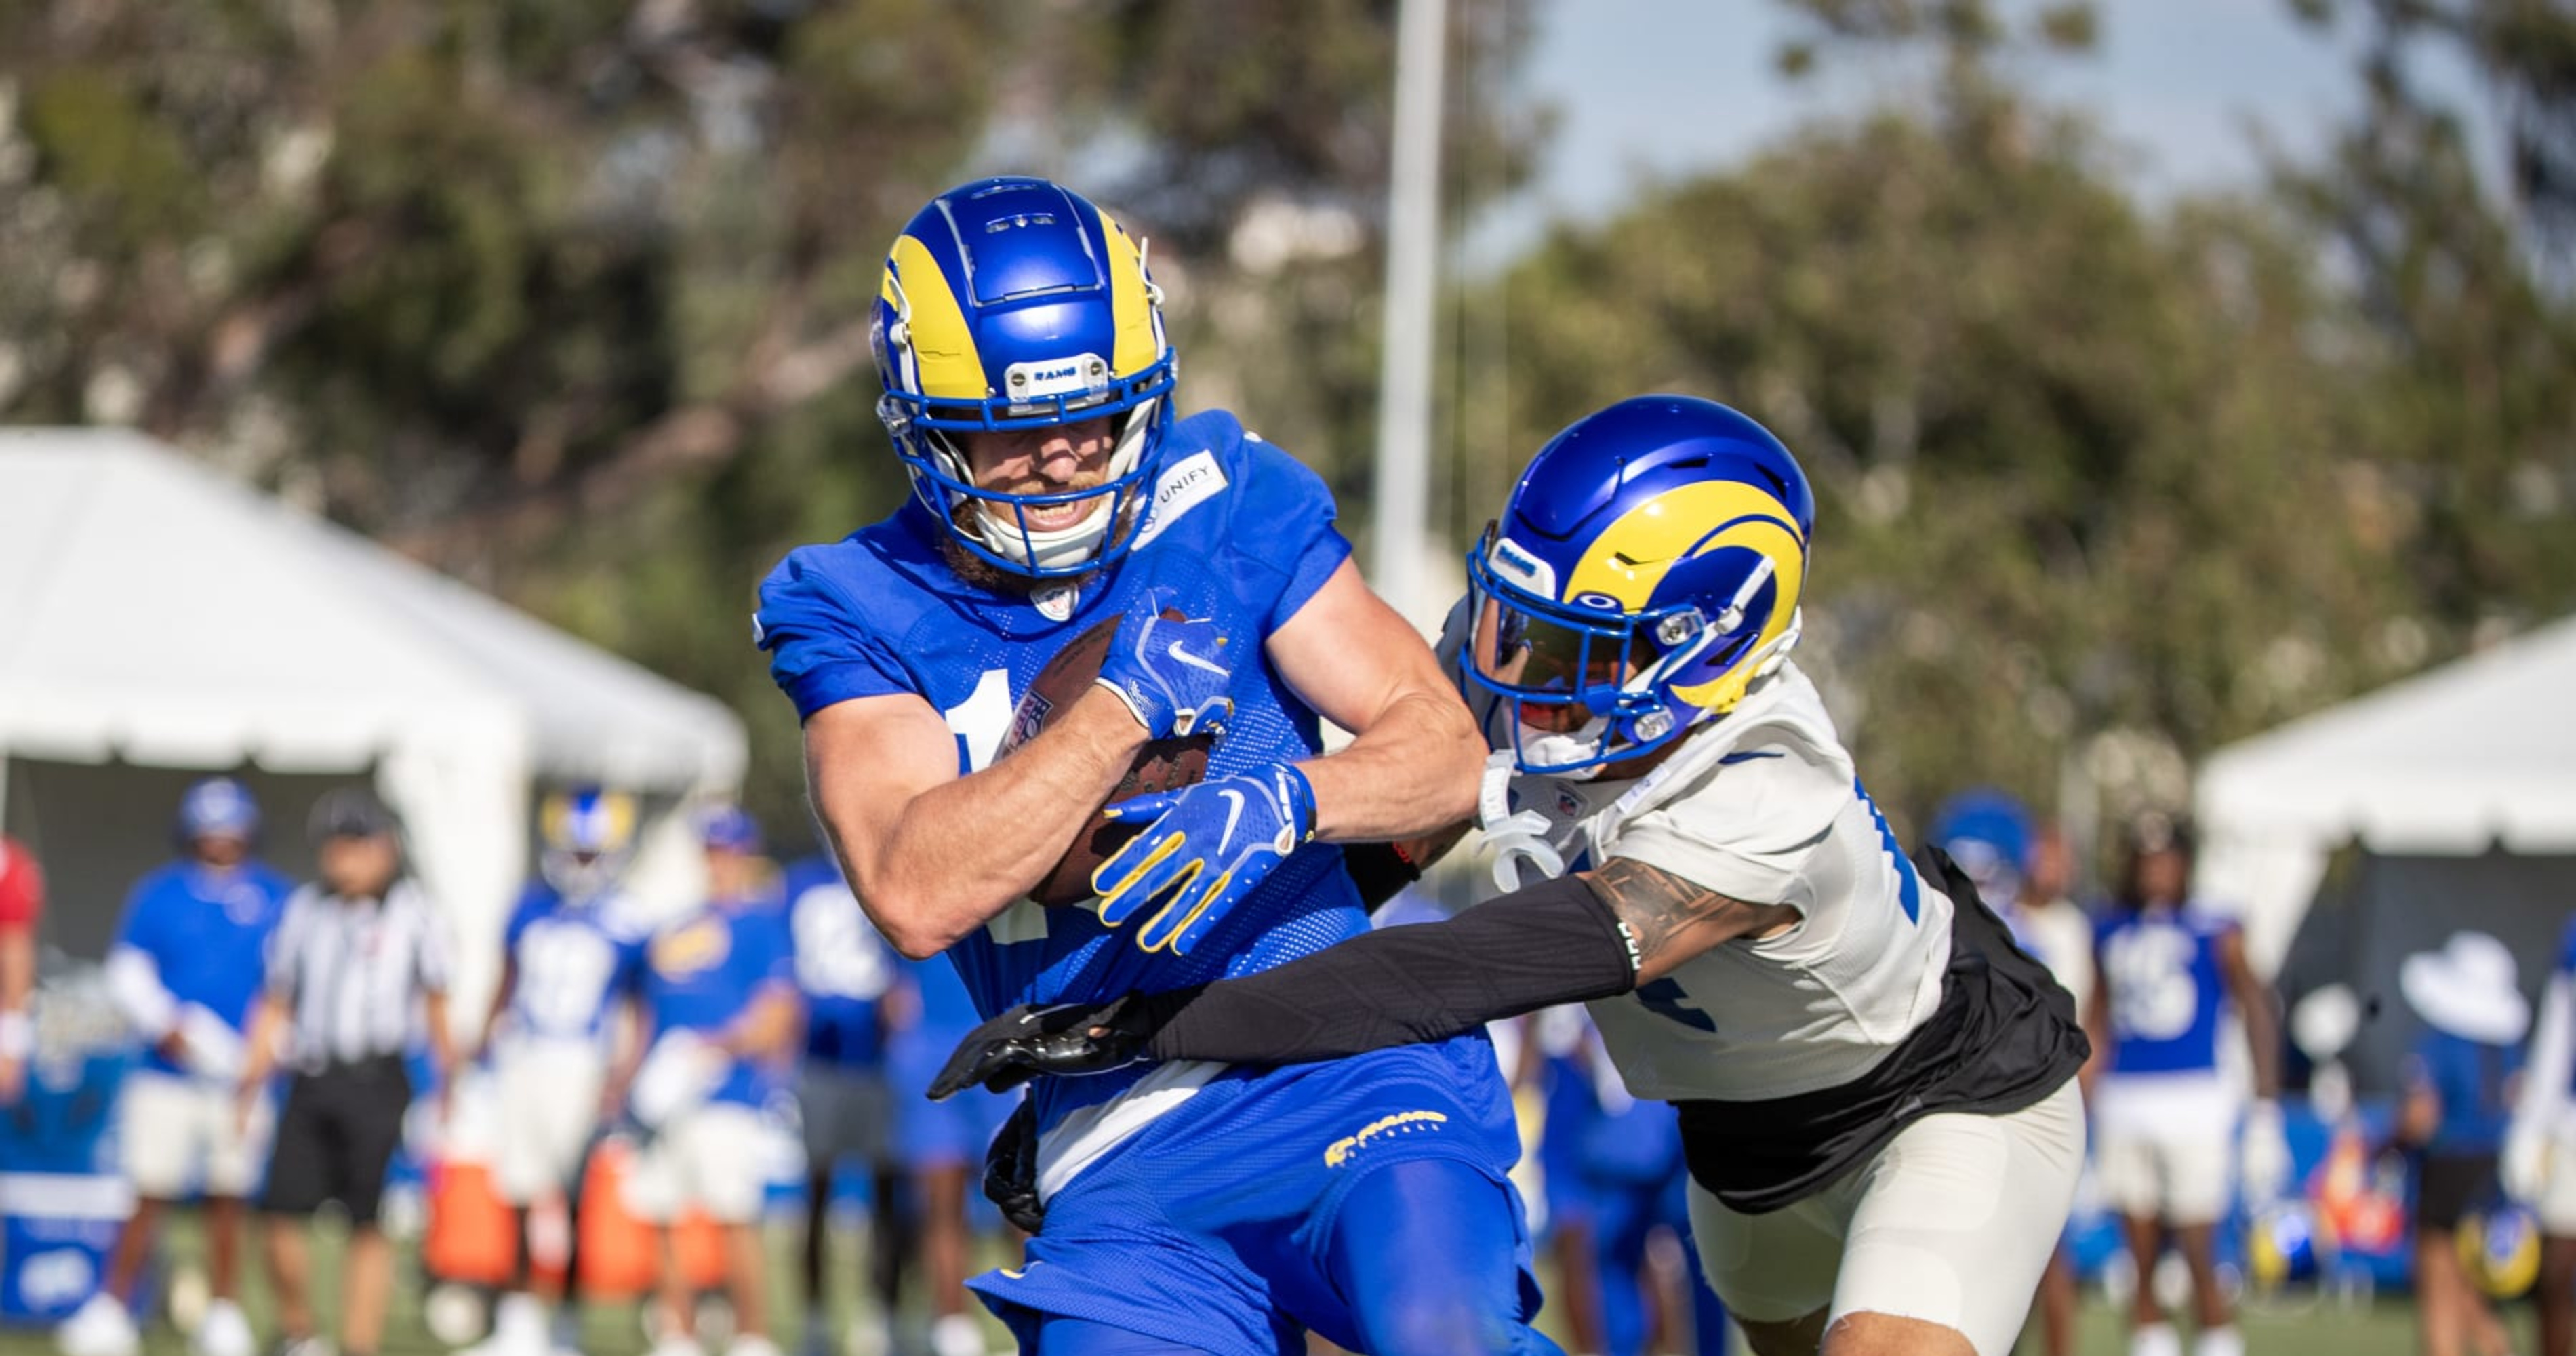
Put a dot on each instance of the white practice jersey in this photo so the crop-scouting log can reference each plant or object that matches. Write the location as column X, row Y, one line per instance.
column 1761, row 805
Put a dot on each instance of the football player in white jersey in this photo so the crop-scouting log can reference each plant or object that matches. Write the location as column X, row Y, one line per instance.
column 571, row 959
column 1876, row 1089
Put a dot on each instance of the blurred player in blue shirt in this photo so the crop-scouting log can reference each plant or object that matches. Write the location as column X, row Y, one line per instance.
column 845, row 972
column 720, row 998
column 2168, row 973
column 572, row 954
column 941, row 1144
column 1191, row 1206
column 187, row 963
column 2461, row 1078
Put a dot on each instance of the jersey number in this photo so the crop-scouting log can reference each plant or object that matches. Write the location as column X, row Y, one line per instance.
column 2153, row 994
column 834, row 956
column 1667, row 999
column 563, row 978
column 980, row 722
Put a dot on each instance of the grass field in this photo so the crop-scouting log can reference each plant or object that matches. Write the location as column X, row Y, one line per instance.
column 2384, row 1328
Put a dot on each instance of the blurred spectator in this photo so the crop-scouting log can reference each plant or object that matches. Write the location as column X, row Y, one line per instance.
column 846, row 973
column 22, row 902
column 2048, row 920
column 720, row 992
column 571, row 958
column 2168, row 971
column 942, row 1144
column 2460, row 1080
column 358, row 968
column 2539, row 1164
column 187, row 962
column 1613, row 1176
column 2025, row 875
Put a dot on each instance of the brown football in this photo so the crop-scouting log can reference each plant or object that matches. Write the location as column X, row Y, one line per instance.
column 1162, row 765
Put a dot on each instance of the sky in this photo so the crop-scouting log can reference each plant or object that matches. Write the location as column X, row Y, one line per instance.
column 1648, row 89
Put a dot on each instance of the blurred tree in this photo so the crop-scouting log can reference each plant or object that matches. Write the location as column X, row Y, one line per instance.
column 2070, row 459
column 2461, row 282
column 572, row 298
column 2096, row 482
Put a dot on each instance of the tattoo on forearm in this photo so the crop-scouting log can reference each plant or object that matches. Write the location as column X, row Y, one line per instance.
column 1658, row 907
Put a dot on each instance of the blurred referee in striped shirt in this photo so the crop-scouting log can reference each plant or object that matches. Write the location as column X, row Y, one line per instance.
column 357, row 969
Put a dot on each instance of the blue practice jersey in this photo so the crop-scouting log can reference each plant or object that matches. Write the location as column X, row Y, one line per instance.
column 2566, row 970
column 701, row 973
column 842, row 966
column 1237, row 531
column 2473, row 1081
column 575, row 960
column 2166, row 988
column 207, row 932
column 944, row 1011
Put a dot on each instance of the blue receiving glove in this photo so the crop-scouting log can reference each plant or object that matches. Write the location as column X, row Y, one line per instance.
column 1211, row 845
column 1171, row 673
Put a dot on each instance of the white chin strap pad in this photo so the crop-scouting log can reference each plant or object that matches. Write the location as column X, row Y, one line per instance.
column 999, row 526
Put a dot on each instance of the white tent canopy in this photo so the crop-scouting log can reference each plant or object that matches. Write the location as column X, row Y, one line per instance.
column 155, row 613
column 2477, row 754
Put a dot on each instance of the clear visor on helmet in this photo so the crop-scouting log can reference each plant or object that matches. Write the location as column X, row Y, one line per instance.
column 1587, row 685
column 1557, row 667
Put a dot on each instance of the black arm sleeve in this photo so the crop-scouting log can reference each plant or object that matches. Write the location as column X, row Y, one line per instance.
column 1554, row 942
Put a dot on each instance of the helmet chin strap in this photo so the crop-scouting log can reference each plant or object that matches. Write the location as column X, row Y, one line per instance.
column 1550, row 748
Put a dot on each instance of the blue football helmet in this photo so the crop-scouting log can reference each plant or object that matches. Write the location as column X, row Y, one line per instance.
column 589, row 834
column 218, row 807
column 1987, row 832
column 1645, row 571
column 728, row 828
column 2500, row 1249
column 1013, row 304
column 2286, row 1243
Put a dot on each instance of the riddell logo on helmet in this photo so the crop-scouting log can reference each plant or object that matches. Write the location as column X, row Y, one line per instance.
column 1525, row 569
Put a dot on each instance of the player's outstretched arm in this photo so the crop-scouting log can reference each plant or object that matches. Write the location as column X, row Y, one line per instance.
column 933, row 855
column 1412, row 766
column 2263, row 1153
column 1587, row 936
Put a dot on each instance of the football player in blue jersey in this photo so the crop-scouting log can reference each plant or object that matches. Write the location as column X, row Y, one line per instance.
column 2168, row 971
column 1192, row 1207
column 720, row 998
column 847, row 975
column 561, row 1018
column 187, row 963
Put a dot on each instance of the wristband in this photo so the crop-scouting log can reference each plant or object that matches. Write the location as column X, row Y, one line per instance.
column 17, row 1034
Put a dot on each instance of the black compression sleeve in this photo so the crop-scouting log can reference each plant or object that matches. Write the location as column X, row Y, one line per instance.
column 1554, row 942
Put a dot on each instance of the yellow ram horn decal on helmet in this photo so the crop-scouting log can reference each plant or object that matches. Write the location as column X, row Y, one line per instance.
column 1630, row 558
column 940, row 349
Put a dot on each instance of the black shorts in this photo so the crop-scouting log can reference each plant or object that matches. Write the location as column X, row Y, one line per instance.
column 338, row 1132
column 2452, row 1185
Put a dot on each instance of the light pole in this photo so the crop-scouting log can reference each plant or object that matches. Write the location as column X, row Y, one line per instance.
column 1402, row 511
